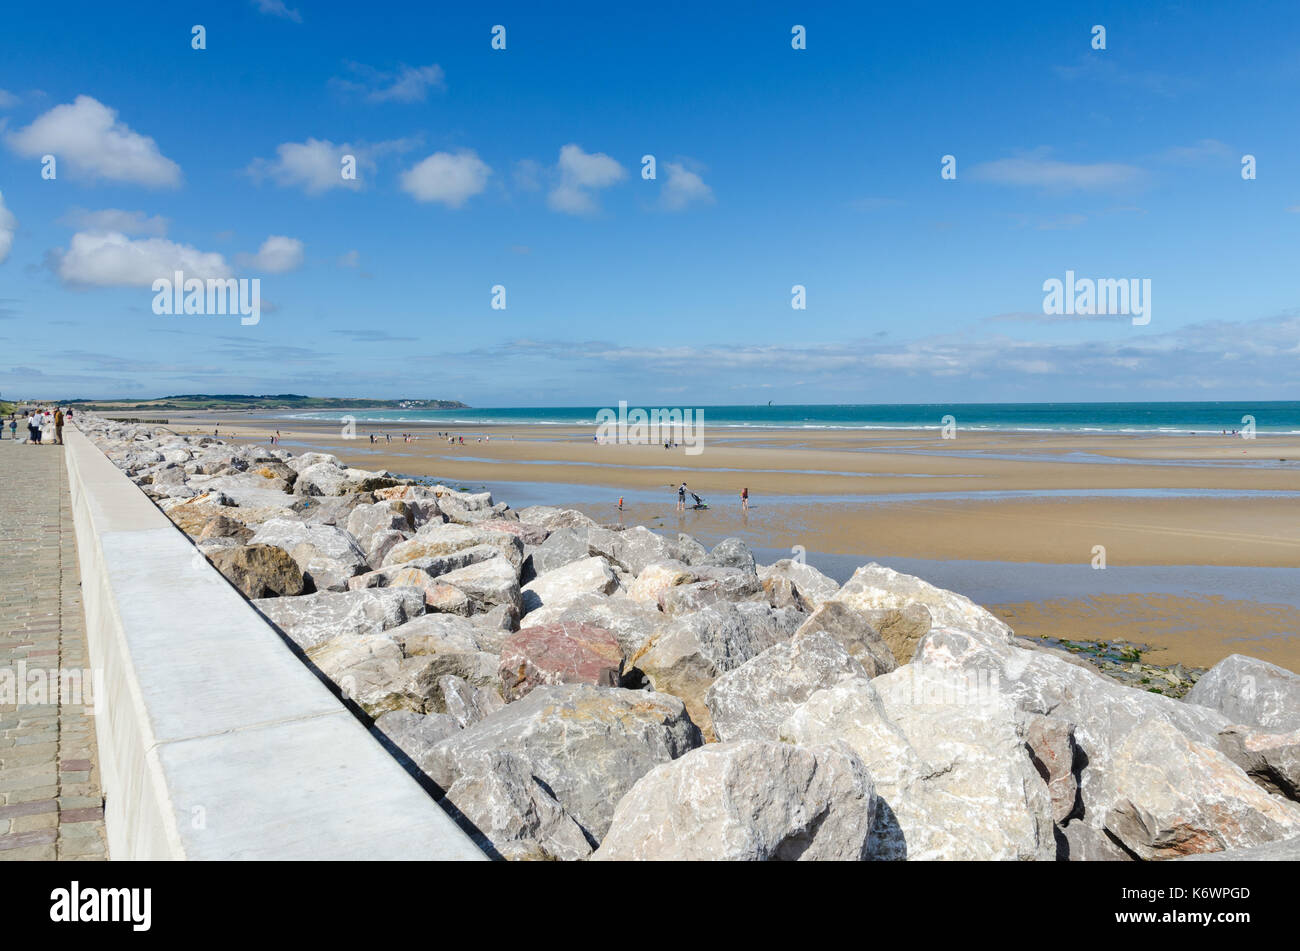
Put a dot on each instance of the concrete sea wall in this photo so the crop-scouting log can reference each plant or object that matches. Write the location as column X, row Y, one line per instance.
column 215, row 740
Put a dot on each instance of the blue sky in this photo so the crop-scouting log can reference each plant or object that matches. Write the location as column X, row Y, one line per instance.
column 776, row 167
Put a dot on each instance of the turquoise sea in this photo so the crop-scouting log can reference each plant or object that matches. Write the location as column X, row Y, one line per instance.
column 1201, row 417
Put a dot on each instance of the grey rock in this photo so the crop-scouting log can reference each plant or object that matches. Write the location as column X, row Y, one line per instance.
column 563, row 585
column 751, row 701
column 1250, row 691
column 415, row 734
column 874, row 587
column 731, row 553
column 327, row 555
column 588, row 745
column 852, row 629
column 313, row 619
column 747, row 801
column 512, row 814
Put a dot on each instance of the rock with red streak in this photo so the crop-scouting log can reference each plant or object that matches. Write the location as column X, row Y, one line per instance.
column 528, row 534
column 563, row 653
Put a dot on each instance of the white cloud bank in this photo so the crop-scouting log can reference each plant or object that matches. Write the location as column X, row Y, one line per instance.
column 111, row 259
column 86, row 137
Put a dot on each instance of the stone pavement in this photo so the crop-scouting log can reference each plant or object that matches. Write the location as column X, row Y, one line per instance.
column 50, row 801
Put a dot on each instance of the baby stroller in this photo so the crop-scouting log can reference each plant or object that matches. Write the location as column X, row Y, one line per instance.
column 699, row 502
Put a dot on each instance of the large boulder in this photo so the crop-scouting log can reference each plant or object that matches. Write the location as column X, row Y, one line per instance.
column 632, row 549
column 1174, row 797
column 713, row 587
column 561, row 547
column 731, row 553
column 467, row 704
column 369, row 670
column 564, row 585
column 1105, row 714
column 875, row 588
column 510, row 813
column 365, row 521
column 487, row 585
column 1250, row 691
column 747, row 801
column 312, row 619
column 431, row 565
column 438, row 538
column 559, row 654
column 654, row 580
column 589, row 745
column 811, row 585
column 686, row 654
column 953, row 780
column 327, row 555
column 632, row 623
column 324, row 478
column 750, row 702
column 852, row 629
column 260, row 571
column 413, row 734
column 1272, row 760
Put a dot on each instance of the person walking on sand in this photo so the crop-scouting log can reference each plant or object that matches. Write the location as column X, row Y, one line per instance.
column 681, row 497
column 744, row 499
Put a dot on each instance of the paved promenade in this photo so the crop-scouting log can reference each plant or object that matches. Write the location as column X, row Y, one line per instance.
column 50, row 801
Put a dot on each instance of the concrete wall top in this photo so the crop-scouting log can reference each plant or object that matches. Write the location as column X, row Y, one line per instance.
column 216, row 741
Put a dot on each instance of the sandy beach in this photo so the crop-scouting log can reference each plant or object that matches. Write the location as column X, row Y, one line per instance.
column 1007, row 498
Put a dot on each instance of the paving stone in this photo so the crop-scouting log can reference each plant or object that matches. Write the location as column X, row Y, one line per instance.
column 48, row 751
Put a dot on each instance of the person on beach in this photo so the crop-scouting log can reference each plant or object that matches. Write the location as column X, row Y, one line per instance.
column 744, row 499
column 58, row 426
column 620, row 503
column 681, row 497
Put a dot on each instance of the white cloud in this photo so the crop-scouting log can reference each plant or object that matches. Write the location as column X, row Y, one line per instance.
column 114, row 219
column 581, row 173
column 1036, row 170
column 350, row 259
column 450, row 179
column 8, row 225
column 86, row 136
column 277, row 255
column 111, row 259
column 277, row 8
column 683, row 187
column 315, row 166
column 406, row 84
column 7, row 99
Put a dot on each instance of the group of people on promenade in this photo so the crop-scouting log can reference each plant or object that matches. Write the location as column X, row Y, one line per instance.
column 44, row 426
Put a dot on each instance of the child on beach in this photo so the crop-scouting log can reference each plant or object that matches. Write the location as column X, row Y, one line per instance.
column 744, row 499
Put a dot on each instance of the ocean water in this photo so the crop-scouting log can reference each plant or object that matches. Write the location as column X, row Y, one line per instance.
column 1149, row 418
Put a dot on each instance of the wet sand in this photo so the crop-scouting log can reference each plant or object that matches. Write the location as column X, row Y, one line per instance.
column 1045, row 498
